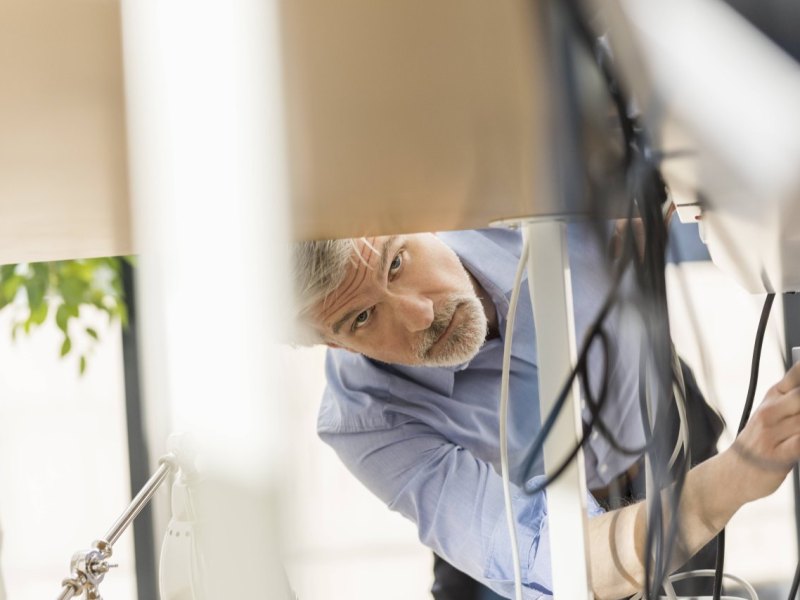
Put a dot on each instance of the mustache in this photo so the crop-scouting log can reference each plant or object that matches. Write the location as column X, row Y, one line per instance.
column 441, row 321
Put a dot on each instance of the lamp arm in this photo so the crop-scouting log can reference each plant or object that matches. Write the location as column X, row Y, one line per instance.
column 88, row 567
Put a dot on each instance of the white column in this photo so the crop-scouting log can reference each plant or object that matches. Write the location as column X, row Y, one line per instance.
column 210, row 221
column 551, row 297
column 2, row 585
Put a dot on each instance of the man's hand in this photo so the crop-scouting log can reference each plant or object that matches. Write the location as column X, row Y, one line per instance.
column 769, row 445
column 752, row 468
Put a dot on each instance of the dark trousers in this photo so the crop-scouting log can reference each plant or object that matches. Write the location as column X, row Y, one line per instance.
column 705, row 427
column 451, row 584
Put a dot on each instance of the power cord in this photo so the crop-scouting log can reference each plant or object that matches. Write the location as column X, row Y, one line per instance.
column 504, row 384
column 748, row 408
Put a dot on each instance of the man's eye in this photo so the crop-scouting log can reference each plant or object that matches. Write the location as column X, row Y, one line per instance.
column 396, row 263
column 362, row 318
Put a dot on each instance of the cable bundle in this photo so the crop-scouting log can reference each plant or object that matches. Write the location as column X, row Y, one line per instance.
column 660, row 382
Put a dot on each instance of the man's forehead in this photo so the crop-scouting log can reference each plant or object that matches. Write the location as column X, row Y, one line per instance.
column 364, row 259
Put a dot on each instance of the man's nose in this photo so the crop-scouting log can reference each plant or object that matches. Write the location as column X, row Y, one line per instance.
column 415, row 312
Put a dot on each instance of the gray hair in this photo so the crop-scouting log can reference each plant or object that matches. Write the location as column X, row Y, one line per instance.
column 318, row 268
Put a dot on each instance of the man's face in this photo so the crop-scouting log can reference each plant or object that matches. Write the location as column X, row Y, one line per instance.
column 405, row 300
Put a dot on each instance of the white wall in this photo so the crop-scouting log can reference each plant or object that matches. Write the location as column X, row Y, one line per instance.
column 63, row 459
column 343, row 543
column 727, row 318
column 64, row 480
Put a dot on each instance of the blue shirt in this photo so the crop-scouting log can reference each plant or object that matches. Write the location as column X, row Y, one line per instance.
column 425, row 439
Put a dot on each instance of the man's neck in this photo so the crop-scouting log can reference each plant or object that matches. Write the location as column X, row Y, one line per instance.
column 492, row 330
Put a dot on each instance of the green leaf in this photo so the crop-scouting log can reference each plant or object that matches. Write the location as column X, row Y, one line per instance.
column 70, row 284
column 73, row 289
column 39, row 314
column 7, row 271
column 41, row 271
column 122, row 311
column 11, row 285
column 35, row 289
column 62, row 317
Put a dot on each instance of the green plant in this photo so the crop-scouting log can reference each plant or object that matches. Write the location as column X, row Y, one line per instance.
column 63, row 287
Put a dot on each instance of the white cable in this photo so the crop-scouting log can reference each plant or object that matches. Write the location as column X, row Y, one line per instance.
column 683, row 433
column 679, row 394
column 512, row 530
column 669, row 589
column 711, row 573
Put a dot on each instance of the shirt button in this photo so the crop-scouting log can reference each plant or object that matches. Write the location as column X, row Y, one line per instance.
column 603, row 468
column 594, row 436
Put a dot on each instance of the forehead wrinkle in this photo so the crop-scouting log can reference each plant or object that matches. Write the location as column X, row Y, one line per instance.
column 361, row 265
column 342, row 300
column 361, row 268
column 347, row 280
column 383, row 261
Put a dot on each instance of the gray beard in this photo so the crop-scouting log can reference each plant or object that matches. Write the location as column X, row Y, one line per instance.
column 463, row 341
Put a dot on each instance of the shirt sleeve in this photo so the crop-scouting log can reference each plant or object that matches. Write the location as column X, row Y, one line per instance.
column 455, row 500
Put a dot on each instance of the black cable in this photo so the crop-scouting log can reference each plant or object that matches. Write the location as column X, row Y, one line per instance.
column 796, row 495
column 587, row 427
column 756, row 362
column 604, row 63
column 719, row 565
column 594, row 331
column 581, row 371
column 647, row 190
column 755, row 365
column 795, row 583
column 658, row 542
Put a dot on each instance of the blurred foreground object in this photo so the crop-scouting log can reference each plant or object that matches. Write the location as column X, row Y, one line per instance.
column 719, row 100
column 209, row 196
column 2, row 584
column 63, row 176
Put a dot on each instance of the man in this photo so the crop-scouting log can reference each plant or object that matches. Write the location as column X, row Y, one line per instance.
column 415, row 324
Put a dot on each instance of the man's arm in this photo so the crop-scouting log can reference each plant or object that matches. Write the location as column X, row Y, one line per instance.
column 752, row 468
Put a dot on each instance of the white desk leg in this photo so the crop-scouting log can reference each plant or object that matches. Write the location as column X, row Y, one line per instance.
column 2, row 586
column 551, row 298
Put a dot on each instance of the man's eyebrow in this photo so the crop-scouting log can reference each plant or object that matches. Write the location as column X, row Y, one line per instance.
column 338, row 325
column 385, row 252
column 384, row 259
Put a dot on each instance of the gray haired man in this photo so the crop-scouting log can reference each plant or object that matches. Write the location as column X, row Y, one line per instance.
column 415, row 326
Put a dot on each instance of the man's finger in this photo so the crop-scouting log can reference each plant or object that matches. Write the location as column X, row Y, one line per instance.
column 779, row 406
column 790, row 381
